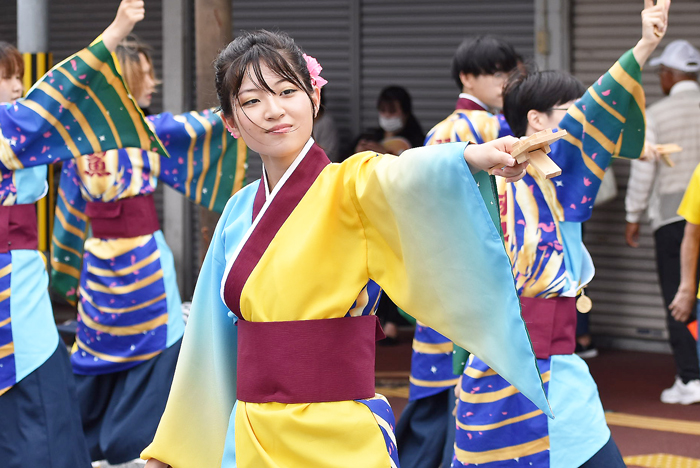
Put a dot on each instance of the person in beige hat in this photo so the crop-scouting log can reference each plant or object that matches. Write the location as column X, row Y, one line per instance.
column 658, row 189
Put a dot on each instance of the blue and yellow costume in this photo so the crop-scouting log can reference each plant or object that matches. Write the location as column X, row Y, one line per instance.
column 79, row 107
column 400, row 222
column 541, row 220
column 129, row 311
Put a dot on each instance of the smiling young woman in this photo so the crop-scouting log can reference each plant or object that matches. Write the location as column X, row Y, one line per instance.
column 279, row 349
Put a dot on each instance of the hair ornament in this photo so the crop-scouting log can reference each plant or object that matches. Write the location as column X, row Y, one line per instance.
column 315, row 71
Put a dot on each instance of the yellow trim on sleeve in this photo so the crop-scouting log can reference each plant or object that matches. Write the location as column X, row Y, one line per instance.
column 61, row 245
column 97, row 102
column 5, row 322
column 36, row 107
column 590, row 164
column 592, row 130
column 75, row 112
column 67, row 269
column 631, row 85
column 606, row 106
column 66, row 225
column 206, row 149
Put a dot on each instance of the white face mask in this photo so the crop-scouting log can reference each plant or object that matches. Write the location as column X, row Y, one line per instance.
column 390, row 124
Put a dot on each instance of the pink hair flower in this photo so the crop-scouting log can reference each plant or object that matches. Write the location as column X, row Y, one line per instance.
column 315, row 71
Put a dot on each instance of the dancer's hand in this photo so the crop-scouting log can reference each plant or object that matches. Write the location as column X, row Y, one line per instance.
column 129, row 13
column 496, row 153
column 654, row 27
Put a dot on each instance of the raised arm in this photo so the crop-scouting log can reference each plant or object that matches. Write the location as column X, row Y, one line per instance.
column 81, row 106
column 433, row 247
column 129, row 13
column 607, row 121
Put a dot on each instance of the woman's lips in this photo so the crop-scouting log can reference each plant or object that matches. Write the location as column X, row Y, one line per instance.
column 282, row 128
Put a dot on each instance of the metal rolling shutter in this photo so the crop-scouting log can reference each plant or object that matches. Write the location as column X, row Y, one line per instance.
column 411, row 43
column 73, row 24
column 627, row 306
column 8, row 22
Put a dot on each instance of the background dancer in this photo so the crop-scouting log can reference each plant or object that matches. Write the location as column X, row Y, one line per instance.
column 59, row 118
column 123, row 276
column 542, row 219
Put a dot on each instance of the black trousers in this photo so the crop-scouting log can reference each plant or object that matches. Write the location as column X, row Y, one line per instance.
column 668, row 263
column 425, row 433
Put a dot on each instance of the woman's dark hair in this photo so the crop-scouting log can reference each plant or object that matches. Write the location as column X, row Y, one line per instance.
column 412, row 131
column 11, row 63
column 483, row 55
column 246, row 53
column 528, row 89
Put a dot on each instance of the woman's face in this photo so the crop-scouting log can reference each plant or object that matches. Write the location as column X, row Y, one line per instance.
column 11, row 87
column 149, row 84
column 274, row 124
column 391, row 116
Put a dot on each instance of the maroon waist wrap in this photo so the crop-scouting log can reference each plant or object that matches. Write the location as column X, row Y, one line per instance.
column 18, row 228
column 307, row 361
column 551, row 324
column 130, row 217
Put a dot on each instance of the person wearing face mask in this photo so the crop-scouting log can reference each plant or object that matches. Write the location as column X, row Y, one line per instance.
column 398, row 130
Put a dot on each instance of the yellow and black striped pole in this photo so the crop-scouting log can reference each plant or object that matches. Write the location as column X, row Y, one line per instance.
column 35, row 66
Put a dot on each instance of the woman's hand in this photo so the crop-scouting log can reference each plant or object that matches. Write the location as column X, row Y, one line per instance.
column 153, row 463
column 129, row 13
column 654, row 26
column 496, row 154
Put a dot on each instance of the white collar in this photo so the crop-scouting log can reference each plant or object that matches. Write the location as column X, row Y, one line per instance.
column 473, row 99
column 685, row 85
column 269, row 197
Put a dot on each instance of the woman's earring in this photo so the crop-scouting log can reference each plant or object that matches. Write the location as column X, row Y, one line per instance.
column 232, row 131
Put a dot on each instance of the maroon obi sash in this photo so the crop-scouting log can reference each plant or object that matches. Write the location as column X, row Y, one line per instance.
column 130, row 217
column 18, row 228
column 551, row 324
column 307, row 361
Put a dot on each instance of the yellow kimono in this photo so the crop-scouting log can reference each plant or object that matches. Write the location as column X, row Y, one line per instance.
column 415, row 225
